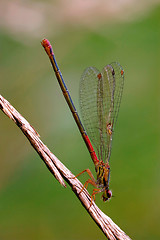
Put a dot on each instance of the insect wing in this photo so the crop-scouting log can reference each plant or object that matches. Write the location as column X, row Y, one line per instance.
column 100, row 97
column 88, row 103
column 113, row 82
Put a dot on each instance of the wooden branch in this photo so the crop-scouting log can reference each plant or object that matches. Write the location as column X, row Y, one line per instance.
column 108, row 227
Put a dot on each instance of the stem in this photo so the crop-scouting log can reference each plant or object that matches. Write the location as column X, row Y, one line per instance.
column 61, row 173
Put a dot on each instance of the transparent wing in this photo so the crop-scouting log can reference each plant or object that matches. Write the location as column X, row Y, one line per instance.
column 100, row 96
column 88, row 103
column 113, row 82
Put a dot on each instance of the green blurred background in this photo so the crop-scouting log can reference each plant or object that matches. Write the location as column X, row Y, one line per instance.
column 33, row 205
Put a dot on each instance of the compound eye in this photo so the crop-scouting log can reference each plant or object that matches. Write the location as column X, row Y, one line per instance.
column 109, row 193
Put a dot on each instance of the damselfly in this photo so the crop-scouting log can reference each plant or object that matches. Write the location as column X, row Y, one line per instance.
column 100, row 97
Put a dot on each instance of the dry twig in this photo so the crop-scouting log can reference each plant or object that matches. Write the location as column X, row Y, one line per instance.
column 108, row 227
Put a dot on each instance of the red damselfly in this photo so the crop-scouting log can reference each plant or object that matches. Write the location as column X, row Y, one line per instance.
column 100, row 97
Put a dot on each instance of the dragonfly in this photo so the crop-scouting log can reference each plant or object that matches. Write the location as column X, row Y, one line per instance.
column 100, row 98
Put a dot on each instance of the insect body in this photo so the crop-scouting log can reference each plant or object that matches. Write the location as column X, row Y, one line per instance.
column 100, row 97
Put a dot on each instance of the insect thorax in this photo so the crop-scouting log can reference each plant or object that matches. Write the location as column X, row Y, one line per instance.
column 103, row 172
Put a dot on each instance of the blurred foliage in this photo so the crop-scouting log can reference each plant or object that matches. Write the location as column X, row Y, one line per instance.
column 32, row 203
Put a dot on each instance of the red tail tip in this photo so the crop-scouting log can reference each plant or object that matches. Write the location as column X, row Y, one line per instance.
column 45, row 43
column 47, row 46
